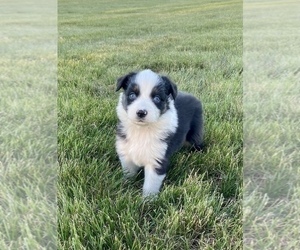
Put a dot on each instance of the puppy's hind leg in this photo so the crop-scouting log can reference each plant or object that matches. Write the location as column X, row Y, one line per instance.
column 195, row 134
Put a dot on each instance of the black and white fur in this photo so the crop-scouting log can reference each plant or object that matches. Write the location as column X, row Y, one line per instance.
column 154, row 122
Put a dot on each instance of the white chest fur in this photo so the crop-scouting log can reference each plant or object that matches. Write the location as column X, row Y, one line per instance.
column 143, row 145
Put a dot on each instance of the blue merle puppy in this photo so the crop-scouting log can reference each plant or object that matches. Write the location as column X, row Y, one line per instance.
column 154, row 122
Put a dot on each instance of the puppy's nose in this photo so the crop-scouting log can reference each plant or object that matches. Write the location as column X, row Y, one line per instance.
column 141, row 113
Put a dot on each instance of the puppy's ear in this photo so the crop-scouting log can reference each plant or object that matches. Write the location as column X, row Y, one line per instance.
column 123, row 81
column 171, row 88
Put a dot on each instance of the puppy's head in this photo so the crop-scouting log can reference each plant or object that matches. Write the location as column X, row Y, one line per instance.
column 146, row 96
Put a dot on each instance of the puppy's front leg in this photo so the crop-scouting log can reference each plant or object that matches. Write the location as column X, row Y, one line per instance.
column 152, row 182
column 129, row 168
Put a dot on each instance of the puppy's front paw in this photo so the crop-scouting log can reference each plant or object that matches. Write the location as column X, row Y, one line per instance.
column 149, row 194
column 152, row 182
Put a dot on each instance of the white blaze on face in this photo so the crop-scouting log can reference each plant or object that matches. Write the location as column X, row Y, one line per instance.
column 146, row 80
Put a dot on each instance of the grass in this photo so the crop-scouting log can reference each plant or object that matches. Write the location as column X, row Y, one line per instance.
column 199, row 45
column 28, row 159
column 271, row 126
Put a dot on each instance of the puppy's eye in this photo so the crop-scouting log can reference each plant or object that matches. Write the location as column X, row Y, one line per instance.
column 132, row 96
column 156, row 99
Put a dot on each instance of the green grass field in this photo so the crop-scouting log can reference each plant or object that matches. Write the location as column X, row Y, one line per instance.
column 28, row 121
column 198, row 44
column 271, row 125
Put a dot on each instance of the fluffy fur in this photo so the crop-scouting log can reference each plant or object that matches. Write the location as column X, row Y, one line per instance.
column 154, row 122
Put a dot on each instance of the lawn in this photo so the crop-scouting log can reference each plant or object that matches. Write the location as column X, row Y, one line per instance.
column 28, row 121
column 271, row 125
column 198, row 44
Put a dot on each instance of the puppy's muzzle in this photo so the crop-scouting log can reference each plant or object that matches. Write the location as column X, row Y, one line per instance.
column 141, row 113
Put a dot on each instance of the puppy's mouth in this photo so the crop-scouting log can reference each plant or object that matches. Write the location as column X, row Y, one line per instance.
column 141, row 122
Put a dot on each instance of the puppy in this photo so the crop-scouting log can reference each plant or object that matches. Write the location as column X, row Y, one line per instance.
column 154, row 122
